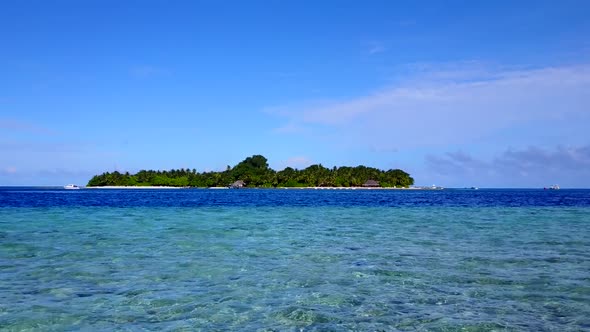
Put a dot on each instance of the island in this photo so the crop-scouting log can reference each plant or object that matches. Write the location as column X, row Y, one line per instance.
column 254, row 172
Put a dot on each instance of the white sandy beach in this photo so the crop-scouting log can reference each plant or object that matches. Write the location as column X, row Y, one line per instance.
column 288, row 188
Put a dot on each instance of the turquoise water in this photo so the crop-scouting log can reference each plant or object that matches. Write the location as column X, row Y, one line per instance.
column 265, row 267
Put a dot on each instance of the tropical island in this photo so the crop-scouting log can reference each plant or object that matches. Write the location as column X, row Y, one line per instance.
column 254, row 172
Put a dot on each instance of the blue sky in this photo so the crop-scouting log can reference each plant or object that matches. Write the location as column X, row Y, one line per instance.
column 457, row 93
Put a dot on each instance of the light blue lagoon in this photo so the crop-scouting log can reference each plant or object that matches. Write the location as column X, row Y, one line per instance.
column 287, row 261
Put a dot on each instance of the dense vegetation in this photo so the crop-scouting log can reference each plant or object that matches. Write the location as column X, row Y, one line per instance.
column 255, row 172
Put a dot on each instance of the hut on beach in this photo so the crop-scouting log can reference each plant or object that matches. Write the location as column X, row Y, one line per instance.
column 238, row 184
column 371, row 184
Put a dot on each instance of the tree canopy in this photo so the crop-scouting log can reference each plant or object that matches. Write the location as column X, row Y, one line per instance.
column 255, row 172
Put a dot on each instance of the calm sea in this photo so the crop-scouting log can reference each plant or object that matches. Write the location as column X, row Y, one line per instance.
column 291, row 260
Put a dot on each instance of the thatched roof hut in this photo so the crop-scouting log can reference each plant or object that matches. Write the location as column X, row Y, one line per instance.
column 238, row 184
column 371, row 183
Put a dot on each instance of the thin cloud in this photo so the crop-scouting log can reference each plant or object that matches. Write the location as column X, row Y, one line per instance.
column 14, row 147
column 60, row 172
column 23, row 126
column 147, row 71
column 533, row 166
column 376, row 47
column 535, row 159
column 47, row 176
column 297, row 162
column 8, row 170
column 289, row 129
column 406, row 23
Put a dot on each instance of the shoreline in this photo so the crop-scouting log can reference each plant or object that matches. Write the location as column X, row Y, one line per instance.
column 133, row 187
column 279, row 188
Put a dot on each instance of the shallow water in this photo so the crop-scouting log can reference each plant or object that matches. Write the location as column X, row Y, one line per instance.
column 289, row 260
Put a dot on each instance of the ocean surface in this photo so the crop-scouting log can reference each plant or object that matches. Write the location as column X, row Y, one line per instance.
column 294, row 260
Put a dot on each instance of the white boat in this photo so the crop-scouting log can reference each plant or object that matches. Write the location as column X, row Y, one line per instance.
column 71, row 186
column 554, row 187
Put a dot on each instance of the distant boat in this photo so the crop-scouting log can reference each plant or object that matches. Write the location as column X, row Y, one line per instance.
column 474, row 188
column 71, row 186
column 554, row 187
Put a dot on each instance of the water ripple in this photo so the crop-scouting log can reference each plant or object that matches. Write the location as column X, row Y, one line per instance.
column 291, row 268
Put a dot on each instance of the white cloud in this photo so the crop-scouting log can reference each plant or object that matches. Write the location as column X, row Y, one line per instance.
column 456, row 105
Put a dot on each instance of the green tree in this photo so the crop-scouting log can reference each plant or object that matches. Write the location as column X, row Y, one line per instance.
column 256, row 172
